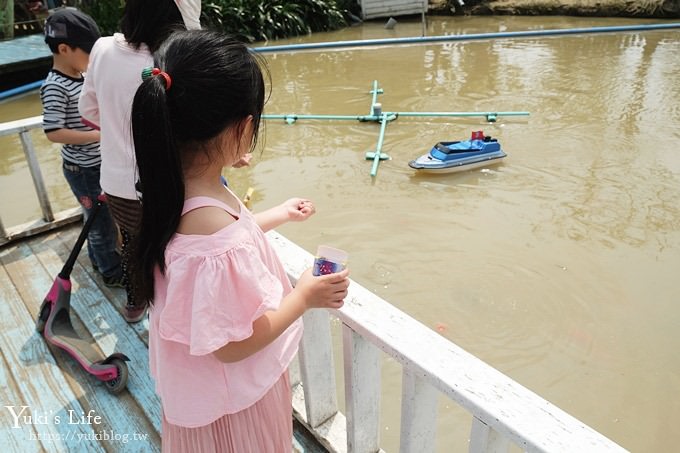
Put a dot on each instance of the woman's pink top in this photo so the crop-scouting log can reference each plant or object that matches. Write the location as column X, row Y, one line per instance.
column 113, row 76
column 214, row 287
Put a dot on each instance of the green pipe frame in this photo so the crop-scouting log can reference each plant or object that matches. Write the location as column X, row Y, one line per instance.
column 376, row 115
column 377, row 156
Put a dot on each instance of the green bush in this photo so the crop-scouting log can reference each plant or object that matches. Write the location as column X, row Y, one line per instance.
column 254, row 20
column 106, row 13
column 6, row 25
column 349, row 7
column 251, row 20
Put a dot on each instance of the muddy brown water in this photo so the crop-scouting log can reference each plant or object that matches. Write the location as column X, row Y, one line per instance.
column 559, row 266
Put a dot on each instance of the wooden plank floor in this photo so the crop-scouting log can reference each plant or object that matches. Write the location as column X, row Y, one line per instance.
column 44, row 382
column 23, row 49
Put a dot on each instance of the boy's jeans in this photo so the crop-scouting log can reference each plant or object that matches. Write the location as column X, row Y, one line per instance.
column 102, row 237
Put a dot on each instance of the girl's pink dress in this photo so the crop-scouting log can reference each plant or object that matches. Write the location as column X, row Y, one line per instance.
column 213, row 289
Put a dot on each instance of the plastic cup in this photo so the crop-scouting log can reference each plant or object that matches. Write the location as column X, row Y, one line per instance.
column 329, row 260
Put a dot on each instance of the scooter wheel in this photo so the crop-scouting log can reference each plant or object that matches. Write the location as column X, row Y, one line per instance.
column 117, row 385
column 42, row 317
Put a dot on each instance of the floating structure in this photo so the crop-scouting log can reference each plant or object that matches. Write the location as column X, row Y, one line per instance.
column 464, row 37
column 20, row 90
column 23, row 60
column 383, row 118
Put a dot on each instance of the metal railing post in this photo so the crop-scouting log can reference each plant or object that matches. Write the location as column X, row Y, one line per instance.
column 3, row 233
column 36, row 174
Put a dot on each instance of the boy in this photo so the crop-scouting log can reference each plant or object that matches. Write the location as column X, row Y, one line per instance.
column 70, row 34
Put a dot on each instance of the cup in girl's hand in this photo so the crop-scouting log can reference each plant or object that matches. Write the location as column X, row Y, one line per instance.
column 329, row 260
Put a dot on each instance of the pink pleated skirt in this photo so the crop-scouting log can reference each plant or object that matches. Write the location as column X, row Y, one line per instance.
column 265, row 427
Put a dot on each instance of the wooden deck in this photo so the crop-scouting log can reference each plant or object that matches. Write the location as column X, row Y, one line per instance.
column 23, row 60
column 23, row 50
column 56, row 391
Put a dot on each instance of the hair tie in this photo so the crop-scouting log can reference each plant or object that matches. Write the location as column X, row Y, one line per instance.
column 150, row 72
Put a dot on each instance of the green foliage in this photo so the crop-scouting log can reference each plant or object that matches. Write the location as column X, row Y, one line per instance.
column 11, row 14
column 254, row 20
column 251, row 20
column 5, row 25
column 349, row 7
column 106, row 13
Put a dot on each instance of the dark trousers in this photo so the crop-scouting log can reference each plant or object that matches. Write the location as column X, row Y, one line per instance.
column 102, row 237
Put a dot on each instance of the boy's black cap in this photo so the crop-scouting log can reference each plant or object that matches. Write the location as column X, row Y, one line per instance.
column 72, row 27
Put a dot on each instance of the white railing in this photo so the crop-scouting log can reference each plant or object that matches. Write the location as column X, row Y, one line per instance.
column 49, row 219
column 503, row 412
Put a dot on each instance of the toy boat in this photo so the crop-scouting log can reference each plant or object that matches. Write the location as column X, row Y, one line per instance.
column 450, row 157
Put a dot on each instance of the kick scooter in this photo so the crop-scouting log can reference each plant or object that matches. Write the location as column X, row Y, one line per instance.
column 54, row 322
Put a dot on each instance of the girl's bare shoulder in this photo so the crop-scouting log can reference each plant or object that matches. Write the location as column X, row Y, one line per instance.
column 204, row 221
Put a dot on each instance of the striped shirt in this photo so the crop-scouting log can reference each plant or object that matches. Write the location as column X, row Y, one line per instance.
column 59, row 95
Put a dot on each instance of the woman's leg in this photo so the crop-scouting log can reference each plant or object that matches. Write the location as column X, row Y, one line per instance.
column 126, row 213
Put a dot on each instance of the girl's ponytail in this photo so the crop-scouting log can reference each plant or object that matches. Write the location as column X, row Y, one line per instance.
column 160, row 180
column 206, row 84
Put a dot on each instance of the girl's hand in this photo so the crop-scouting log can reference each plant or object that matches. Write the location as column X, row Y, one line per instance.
column 298, row 209
column 295, row 209
column 323, row 291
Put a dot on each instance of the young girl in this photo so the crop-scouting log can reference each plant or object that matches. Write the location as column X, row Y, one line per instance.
column 106, row 99
column 225, row 322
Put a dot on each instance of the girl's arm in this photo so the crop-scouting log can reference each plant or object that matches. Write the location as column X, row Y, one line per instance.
column 326, row 291
column 294, row 209
column 266, row 329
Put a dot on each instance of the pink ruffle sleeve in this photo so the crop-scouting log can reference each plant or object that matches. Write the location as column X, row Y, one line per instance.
column 214, row 300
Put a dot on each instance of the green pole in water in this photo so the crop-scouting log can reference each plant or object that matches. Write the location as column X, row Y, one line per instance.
column 377, row 156
column 490, row 116
column 290, row 118
column 375, row 91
